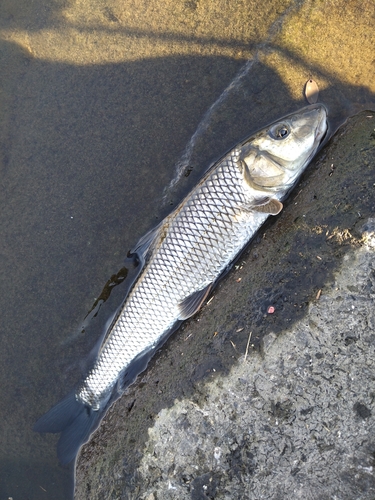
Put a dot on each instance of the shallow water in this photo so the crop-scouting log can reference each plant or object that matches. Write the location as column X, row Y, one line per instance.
column 109, row 114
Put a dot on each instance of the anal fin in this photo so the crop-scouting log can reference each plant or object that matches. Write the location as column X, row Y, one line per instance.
column 192, row 304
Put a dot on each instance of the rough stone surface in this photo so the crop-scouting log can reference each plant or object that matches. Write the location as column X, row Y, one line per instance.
column 295, row 421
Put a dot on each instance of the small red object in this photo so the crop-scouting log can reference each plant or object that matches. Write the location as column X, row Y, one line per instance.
column 271, row 310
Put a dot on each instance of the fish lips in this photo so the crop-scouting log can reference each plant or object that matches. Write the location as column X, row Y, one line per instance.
column 322, row 131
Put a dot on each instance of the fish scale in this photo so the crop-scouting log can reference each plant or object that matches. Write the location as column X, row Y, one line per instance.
column 193, row 254
column 184, row 256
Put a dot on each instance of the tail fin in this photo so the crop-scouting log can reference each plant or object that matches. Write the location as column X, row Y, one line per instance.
column 75, row 420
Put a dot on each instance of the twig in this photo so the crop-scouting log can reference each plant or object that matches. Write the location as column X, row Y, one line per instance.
column 247, row 347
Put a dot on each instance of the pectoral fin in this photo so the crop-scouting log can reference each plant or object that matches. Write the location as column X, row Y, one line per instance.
column 272, row 207
column 192, row 304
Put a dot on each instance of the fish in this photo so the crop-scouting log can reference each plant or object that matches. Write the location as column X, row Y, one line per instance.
column 183, row 257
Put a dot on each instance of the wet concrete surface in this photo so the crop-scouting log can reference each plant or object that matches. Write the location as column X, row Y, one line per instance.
column 109, row 113
column 296, row 416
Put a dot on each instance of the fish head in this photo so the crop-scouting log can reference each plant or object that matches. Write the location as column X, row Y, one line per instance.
column 276, row 156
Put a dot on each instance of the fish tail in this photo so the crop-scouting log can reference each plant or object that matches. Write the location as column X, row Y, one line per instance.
column 75, row 420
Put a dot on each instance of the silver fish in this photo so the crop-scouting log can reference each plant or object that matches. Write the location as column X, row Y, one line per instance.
column 184, row 255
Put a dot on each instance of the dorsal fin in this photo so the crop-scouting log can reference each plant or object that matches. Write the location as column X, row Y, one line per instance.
column 150, row 240
column 192, row 304
column 146, row 241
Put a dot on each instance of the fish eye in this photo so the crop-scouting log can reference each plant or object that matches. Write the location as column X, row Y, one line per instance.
column 279, row 131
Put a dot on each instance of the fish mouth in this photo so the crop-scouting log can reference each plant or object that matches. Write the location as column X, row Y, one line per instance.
column 321, row 133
